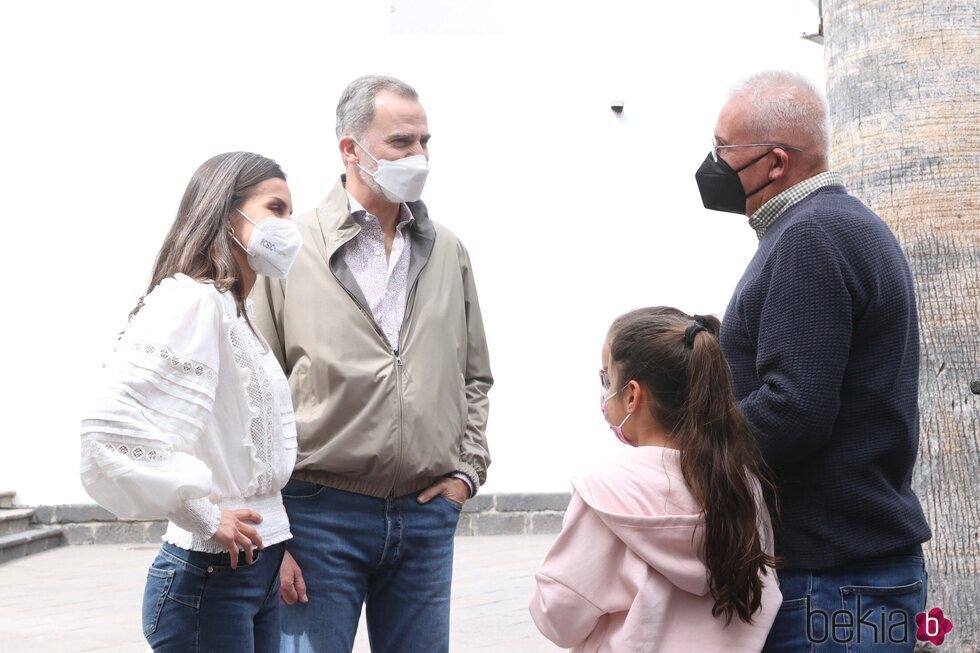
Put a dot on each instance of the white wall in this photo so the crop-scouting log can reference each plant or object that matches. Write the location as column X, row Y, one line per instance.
column 572, row 214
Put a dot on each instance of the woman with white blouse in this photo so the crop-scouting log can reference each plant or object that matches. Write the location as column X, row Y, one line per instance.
column 192, row 419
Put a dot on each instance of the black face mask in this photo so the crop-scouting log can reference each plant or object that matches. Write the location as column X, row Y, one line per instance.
column 721, row 189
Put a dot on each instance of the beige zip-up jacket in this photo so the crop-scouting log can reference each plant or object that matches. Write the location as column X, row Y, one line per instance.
column 370, row 419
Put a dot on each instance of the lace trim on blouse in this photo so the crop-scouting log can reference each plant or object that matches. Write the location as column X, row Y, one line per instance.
column 248, row 356
column 185, row 365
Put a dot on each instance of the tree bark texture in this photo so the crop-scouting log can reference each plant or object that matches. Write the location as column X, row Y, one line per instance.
column 903, row 82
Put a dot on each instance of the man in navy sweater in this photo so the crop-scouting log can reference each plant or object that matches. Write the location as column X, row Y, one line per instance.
column 821, row 335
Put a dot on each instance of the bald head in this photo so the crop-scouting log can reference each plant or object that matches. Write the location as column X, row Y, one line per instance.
column 783, row 107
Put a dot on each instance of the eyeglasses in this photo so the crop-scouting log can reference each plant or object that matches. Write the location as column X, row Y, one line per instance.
column 604, row 379
column 715, row 147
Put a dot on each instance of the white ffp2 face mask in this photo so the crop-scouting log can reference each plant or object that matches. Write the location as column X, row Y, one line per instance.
column 400, row 180
column 273, row 246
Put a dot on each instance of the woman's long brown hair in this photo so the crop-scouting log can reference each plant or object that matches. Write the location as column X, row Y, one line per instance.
column 677, row 357
column 198, row 243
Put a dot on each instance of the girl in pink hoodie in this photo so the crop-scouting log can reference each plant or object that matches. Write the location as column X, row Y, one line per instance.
column 670, row 547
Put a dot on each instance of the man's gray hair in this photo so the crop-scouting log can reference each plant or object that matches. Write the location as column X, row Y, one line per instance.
column 784, row 104
column 355, row 110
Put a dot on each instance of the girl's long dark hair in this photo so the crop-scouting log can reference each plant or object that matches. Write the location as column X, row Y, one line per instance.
column 677, row 357
column 198, row 243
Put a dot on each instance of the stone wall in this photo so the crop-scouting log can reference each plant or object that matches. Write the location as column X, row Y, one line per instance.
column 92, row 524
column 513, row 514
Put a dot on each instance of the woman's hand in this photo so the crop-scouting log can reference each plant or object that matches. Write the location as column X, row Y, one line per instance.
column 234, row 533
column 292, row 588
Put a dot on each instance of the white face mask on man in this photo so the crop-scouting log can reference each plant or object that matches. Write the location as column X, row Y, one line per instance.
column 273, row 245
column 400, row 180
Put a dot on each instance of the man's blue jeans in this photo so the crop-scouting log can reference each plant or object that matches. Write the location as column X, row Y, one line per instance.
column 870, row 607
column 393, row 555
column 195, row 601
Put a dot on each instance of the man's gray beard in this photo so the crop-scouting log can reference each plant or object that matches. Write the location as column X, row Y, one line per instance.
column 372, row 185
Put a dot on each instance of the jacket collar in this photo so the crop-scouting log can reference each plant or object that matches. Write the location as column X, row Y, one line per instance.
column 338, row 226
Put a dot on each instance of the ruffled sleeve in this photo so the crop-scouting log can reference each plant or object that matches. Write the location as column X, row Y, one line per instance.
column 151, row 406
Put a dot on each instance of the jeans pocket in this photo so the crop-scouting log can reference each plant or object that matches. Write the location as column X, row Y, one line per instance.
column 158, row 582
column 878, row 618
column 457, row 506
column 793, row 604
column 297, row 489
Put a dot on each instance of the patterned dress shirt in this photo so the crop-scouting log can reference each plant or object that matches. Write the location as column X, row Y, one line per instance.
column 382, row 279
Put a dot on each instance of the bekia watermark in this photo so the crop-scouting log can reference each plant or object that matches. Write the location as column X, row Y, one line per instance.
column 874, row 626
column 842, row 626
column 933, row 626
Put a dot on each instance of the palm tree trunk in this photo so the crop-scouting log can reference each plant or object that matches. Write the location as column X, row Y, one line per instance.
column 903, row 82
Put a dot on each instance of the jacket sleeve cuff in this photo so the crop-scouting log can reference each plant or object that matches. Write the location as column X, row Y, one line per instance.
column 466, row 479
column 468, row 473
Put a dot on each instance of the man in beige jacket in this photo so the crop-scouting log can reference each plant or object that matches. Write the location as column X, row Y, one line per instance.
column 378, row 328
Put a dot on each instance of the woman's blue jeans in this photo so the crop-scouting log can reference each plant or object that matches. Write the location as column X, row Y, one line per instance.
column 870, row 607
column 194, row 601
column 395, row 556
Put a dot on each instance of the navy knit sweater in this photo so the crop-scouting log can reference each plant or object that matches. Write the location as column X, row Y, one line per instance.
column 822, row 339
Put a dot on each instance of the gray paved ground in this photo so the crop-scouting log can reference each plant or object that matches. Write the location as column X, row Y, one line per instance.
column 87, row 598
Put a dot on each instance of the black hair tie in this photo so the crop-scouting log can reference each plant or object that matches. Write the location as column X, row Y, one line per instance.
column 690, row 334
column 700, row 320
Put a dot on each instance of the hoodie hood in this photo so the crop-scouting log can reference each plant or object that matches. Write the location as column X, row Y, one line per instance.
column 643, row 499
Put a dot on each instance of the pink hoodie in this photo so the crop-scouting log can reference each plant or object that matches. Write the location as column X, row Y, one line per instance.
column 625, row 574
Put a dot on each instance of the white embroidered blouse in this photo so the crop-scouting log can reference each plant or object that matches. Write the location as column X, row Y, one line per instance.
column 192, row 414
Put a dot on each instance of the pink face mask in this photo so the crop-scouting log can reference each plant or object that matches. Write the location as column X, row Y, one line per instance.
column 616, row 429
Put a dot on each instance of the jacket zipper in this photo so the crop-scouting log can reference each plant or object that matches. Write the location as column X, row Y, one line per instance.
column 398, row 375
column 401, row 424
